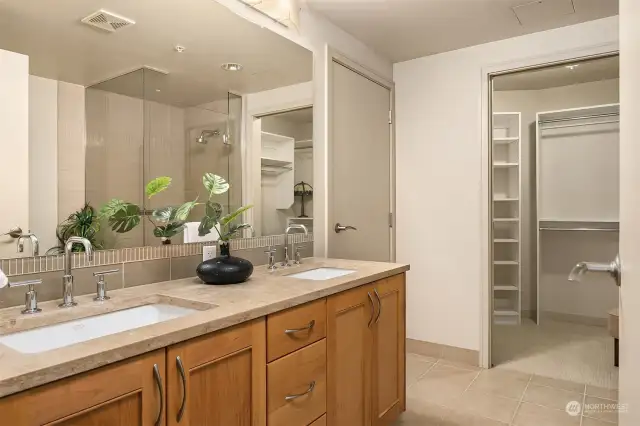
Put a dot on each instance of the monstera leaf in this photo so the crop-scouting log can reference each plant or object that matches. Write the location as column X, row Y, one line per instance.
column 182, row 213
column 168, row 231
column 157, row 185
column 215, row 184
column 164, row 214
column 233, row 229
column 232, row 216
column 212, row 213
column 122, row 216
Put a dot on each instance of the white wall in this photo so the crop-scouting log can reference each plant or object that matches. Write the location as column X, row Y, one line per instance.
column 316, row 33
column 14, row 146
column 440, row 222
column 593, row 302
column 43, row 161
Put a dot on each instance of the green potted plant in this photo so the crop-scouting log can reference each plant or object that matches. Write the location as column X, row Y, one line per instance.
column 81, row 223
column 167, row 221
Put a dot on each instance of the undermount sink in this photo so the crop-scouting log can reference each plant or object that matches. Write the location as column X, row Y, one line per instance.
column 56, row 336
column 321, row 274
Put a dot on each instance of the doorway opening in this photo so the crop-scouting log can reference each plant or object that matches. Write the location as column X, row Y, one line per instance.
column 554, row 200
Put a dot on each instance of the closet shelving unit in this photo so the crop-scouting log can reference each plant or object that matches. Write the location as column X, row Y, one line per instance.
column 277, row 165
column 577, row 178
column 506, row 217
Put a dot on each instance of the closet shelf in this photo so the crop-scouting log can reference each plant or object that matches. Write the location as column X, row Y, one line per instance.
column 272, row 162
column 505, row 240
column 506, row 262
column 505, row 140
column 505, row 287
column 506, row 219
column 501, row 165
column 576, row 225
column 506, row 199
column 506, row 313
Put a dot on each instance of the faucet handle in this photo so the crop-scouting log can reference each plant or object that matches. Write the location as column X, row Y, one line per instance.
column 30, row 297
column 271, row 261
column 101, row 291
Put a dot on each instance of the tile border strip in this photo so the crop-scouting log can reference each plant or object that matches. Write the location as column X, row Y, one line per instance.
column 40, row 264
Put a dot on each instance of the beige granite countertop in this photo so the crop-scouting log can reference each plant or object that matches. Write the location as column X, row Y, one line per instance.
column 264, row 293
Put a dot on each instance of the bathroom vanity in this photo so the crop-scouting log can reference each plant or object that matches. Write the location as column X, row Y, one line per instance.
column 326, row 348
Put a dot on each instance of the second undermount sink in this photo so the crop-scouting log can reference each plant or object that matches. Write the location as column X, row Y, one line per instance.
column 321, row 274
column 56, row 336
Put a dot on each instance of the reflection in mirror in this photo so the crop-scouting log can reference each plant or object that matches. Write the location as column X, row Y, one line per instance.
column 99, row 113
column 286, row 170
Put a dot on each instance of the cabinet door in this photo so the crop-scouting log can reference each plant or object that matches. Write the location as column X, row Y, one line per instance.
column 219, row 379
column 388, row 397
column 124, row 394
column 349, row 339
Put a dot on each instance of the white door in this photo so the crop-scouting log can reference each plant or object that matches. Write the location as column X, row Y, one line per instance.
column 630, row 212
column 14, row 147
column 359, row 167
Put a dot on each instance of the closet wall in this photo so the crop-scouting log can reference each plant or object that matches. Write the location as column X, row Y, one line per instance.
column 567, row 297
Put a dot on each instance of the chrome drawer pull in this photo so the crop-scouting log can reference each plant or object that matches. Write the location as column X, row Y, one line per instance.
column 297, row 330
column 312, row 386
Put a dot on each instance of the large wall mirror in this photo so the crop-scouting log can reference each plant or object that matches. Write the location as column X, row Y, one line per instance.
column 102, row 98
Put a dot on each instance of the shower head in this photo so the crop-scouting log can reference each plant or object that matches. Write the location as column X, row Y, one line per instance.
column 205, row 134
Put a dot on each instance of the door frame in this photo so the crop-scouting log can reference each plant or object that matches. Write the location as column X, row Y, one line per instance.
column 486, row 245
column 338, row 57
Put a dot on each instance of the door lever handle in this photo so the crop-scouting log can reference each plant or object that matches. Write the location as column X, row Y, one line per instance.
column 339, row 228
column 612, row 268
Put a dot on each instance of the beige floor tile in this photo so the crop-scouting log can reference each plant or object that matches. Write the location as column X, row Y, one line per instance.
column 417, row 365
column 487, row 405
column 460, row 365
column 602, row 409
column 441, row 385
column 604, row 393
column 551, row 397
column 510, row 384
column 423, row 358
column 464, row 419
column 559, row 384
column 420, row 413
column 587, row 421
column 535, row 415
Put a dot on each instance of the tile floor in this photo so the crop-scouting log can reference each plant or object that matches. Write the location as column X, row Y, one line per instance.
column 443, row 393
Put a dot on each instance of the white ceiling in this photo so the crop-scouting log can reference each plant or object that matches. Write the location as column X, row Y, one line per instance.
column 298, row 116
column 406, row 29
column 62, row 48
column 545, row 78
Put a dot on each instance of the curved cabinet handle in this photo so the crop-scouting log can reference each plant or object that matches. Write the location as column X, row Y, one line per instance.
column 297, row 330
column 183, row 379
column 375, row 291
column 312, row 386
column 158, row 378
column 373, row 309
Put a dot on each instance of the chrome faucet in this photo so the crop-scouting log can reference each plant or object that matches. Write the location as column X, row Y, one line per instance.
column 35, row 244
column 285, row 262
column 67, row 280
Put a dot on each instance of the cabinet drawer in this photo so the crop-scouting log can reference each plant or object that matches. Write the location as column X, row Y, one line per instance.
column 295, row 328
column 297, row 387
column 322, row 421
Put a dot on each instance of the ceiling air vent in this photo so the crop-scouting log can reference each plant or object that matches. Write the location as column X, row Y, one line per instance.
column 107, row 21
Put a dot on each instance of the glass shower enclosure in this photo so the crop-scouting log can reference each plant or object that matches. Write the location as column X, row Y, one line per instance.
column 141, row 126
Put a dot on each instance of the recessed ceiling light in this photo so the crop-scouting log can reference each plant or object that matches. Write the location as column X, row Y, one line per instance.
column 230, row 66
column 157, row 90
column 572, row 66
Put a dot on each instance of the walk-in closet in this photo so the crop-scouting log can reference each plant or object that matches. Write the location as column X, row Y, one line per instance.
column 554, row 203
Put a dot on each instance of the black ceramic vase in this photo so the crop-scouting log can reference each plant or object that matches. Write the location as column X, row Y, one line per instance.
column 224, row 269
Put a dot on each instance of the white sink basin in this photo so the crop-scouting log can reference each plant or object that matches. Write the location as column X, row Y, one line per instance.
column 322, row 274
column 46, row 338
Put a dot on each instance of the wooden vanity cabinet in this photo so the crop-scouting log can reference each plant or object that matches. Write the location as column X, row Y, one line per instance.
column 128, row 393
column 366, row 354
column 219, row 379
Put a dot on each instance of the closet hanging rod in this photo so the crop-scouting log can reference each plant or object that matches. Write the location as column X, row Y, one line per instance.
column 579, row 125
column 543, row 228
column 583, row 117
column 555, row 225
